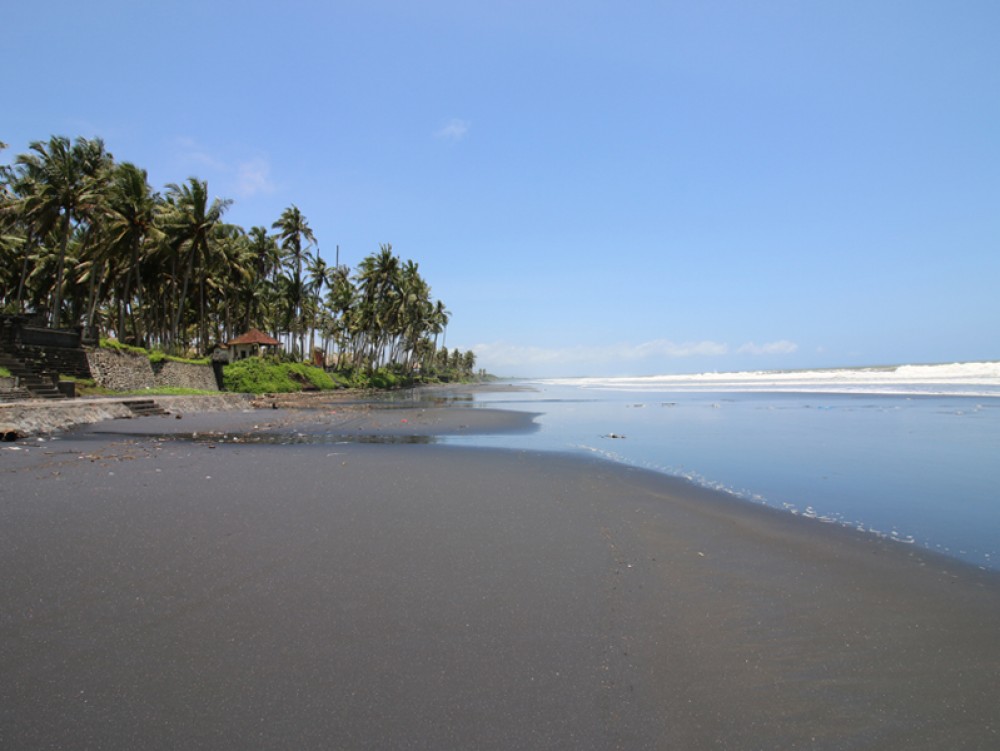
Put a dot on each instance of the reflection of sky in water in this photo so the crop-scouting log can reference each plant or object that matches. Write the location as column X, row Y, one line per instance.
column 916, row 468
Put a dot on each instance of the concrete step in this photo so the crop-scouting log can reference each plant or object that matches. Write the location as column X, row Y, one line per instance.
column 15, row 395
column 144, row 407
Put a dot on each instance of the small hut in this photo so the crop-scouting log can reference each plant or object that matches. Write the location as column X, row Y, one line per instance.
column 254, row 343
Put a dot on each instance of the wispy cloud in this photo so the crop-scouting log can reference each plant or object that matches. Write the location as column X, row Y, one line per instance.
column 243, row 176
column 194, row 154
column 454, row 130
column 667, row 348
column 253, row 177
column 782, row 347
column 503, row 356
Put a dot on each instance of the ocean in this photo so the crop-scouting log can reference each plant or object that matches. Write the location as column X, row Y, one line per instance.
column 910, row 452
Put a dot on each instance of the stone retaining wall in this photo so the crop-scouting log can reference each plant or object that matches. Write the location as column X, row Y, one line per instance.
column 124, row 371
column 11, row 393
column 184, row 375
column 52, row 415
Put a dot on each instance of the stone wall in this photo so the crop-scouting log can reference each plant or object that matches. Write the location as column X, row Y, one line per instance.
column 185, row 375
column 124, row 371
column 52, row 415
column 11, row 393
column 121, row 371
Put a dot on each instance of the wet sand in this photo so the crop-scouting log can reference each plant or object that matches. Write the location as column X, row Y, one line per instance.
column 213, row 592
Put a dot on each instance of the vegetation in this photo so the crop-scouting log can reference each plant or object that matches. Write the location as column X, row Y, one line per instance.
column 86, row 239
column 258, row 376
column 4, row 373
column 154, row 356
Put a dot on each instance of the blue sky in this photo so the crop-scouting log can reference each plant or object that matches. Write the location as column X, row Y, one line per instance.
column 592, row 188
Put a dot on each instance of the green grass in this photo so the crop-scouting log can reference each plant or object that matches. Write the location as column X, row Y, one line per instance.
column 154, row 356
column 257, row 376
column 4, row 373
column 119, row 347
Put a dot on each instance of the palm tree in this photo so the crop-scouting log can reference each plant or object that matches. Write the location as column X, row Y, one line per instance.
column 265, row 258
column 378, row 282
column 130, row 224
column 189, row 224
column 320, row 276
column 68, row 180
column 340, row 301
column 440, row 321
column 13, row 240
column 296, row 239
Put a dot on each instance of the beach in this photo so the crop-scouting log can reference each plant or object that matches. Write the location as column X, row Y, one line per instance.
column 286, row 578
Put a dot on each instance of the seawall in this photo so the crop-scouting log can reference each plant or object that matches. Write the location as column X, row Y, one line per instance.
column 41, row 416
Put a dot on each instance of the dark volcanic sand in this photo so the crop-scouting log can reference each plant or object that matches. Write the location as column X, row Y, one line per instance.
column 211, row 594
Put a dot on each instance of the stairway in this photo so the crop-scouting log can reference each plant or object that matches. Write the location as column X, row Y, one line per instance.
column 39, row 384
column 144, row 408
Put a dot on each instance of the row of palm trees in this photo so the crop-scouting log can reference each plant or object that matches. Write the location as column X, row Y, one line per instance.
column 86, row 241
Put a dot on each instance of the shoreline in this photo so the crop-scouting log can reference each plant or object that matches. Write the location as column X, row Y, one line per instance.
column 169, row 589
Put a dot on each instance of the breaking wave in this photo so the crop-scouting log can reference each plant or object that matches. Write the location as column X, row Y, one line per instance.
column 955, row 379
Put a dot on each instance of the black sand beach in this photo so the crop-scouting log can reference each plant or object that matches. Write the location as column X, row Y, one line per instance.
column 254, row 590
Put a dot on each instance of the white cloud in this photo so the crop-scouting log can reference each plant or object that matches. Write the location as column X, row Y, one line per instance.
column 191, row 152
column 253, row 176
column 503, row 357
column 666, row 348
column 241, row 177
column 782, row 347
column 454, row 130
column 502, row 354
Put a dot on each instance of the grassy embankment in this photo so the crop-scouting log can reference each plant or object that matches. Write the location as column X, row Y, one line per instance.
column 260, row 376
column 271, row 376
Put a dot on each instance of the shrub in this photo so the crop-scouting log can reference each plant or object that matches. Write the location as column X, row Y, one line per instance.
column 256, row 376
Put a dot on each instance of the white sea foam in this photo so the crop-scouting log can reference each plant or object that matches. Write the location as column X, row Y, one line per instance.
column 955, row 379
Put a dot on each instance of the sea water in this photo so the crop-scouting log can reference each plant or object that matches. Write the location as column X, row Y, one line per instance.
column 910, row 453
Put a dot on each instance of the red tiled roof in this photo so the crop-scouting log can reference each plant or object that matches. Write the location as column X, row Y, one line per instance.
column 254, row 336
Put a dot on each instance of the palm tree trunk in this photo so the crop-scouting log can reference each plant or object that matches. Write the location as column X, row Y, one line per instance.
column 57, row 297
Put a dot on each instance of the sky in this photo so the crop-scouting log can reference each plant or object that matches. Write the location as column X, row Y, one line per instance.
column 591, row 188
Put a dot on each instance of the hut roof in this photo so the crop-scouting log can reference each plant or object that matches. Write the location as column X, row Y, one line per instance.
column 254, row 336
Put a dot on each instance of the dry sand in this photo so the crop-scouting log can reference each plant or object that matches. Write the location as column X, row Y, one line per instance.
column 222, row 593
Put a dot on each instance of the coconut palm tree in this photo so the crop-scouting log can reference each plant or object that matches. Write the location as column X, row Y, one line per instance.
column 265, row 257
column 68, row 180
column 380, row 301
column 340, row 301
column 320, row 276
column 132, row 207
column 296, row 238
column 440, row 320
column 189, row 223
